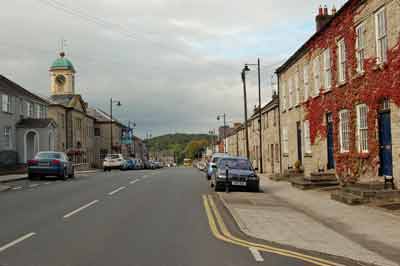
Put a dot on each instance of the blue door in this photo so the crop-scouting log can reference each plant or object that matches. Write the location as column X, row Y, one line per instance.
column 329, row 139
column 385, row 144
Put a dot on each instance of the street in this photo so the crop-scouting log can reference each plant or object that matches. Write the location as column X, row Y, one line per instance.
column 121, row 218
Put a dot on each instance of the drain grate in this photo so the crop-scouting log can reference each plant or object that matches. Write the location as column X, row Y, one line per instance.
column 391, row 206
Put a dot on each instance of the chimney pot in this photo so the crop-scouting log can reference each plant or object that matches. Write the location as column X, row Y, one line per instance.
column 334, row 10
column 320, row 11
column 325, row 10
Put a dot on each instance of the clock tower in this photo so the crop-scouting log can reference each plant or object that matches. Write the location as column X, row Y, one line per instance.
column 62, row 75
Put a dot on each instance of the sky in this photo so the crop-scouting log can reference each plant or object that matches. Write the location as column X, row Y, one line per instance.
column 174, row 64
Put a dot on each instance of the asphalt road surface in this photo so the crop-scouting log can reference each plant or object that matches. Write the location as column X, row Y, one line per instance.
column 118, row 218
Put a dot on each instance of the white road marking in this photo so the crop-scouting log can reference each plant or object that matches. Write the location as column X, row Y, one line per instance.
column 47, row 183
column 115, row 191
column 256, row 254
column 17, row 188
column 34, row 185
column 16, row 241
column 134, row 181
column 80, row 209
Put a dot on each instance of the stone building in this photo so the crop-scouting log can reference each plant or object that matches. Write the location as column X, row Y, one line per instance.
column 339, row 100
column 236, row 140
column 24, row 124
column 75, row 131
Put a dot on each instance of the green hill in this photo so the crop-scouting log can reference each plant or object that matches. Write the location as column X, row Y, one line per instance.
column 178, row 145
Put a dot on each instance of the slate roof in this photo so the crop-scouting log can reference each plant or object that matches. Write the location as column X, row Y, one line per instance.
column 61, row 99
column 34, row 123
column 11, row 88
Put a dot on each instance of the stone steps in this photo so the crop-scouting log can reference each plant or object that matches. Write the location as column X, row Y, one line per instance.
column 304, row 184
column 315, row 177
column 348, row 198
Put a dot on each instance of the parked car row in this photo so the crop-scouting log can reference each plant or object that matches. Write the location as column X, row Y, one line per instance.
column 226, row 172
column 117, row 161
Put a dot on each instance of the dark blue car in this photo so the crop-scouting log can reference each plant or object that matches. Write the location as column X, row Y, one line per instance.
column 50, row 164
column 128, row 164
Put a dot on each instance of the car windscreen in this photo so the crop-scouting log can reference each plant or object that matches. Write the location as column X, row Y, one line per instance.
column 112, row 156
column 241, row 164
column 48, row 155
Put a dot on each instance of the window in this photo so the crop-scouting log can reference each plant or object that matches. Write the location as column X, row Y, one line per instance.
column 307, row 139
column 360, row 47
column 266, row 120
column 362, row 127
column 285, row 141
column 38, row 110
column 290, row 85
column 62, row 119
column 381, row 36
column 29, row 109
column 276, row 152
column 97, row 132
column 341, row 60
column 7, row 137
column 327, row 69
column 275, row 117
column 316, row 69
column 344, row 130
column 306, row 85
column 283, row 96
column 297, row 88
column 6, row 103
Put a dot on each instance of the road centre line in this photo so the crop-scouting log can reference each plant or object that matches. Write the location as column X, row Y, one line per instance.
column 16, row 241
column 16, row 188
column 47, row 183
column 134, row 181
column 80, row 209
column 226, row 236
column 34, row 185
column 115, row 191
column 256, row 254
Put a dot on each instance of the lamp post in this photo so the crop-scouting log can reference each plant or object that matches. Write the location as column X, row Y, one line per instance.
column 211, row 132
column 224, row 131
column 246, row 68
column 132, row 137
column 259, row 109
column 118, row 103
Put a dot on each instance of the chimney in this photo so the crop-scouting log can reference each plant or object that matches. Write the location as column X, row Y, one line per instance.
column 323, row 17
column 333, row 10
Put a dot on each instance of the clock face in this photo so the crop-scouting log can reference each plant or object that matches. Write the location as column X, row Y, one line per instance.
column 60, row 79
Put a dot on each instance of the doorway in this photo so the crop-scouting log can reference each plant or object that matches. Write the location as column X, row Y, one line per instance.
column 329, row 140
column 385, row 140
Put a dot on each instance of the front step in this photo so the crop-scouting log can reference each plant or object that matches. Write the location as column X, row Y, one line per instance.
column 304, row 184
column 324, row 176
column 348, row 198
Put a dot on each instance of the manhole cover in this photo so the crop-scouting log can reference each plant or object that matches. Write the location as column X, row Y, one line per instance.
column 391, row 206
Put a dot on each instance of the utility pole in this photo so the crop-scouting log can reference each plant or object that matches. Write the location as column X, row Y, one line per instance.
column 260, row 115
column 245, row 110
column 111, row 126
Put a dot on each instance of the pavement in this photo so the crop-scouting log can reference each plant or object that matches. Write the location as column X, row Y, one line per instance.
column 310, row 220
column 117, row 218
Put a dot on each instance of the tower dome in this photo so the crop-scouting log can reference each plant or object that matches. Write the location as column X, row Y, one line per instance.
column 62, row 63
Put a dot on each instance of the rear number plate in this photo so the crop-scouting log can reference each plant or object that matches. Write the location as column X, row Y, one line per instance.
column 237, row 183
column 44, row 164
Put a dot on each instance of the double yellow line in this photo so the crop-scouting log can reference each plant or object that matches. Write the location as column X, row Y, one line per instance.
column 221, row 232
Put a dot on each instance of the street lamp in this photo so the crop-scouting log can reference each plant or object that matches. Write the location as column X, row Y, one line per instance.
column 224, row 132
column 117, row 103
column 259, row 108
column 133, row 138
column 245, row 69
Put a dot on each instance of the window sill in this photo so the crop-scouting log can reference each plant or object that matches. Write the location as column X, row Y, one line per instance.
column 307, row 155
column 285, row 155
column 327, row 91
column 380, row 66
column 359, row 75
column 341, row 84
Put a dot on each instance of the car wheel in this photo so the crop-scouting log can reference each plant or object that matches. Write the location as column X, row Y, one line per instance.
column 105, row 169
column 208, row 177
column 64, row 174
column 31, row 176
column 218, row 188
column 72, row 174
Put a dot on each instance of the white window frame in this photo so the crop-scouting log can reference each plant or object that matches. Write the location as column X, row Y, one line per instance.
column 38, row 110
column 307, row 137
column 284, row 100
column 316, row 75
column 306, row 81
column 297, row 88
column 381, row 36
column 327, row 69
column 360, row 47
column 362, row 128
column 7, row 136
column 341, row 46
column 29, row 109
column 6, row 103
column 285, row 141
column 344, row 130
column 290, row 86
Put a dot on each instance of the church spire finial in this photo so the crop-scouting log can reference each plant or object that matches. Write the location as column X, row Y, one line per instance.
column 63, row 44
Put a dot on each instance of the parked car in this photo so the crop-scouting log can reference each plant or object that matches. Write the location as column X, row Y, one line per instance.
column 235, row 171
column 128, row 164
column 113, row 161
column 51, row 163
column 147, row 164
column 212, row 164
